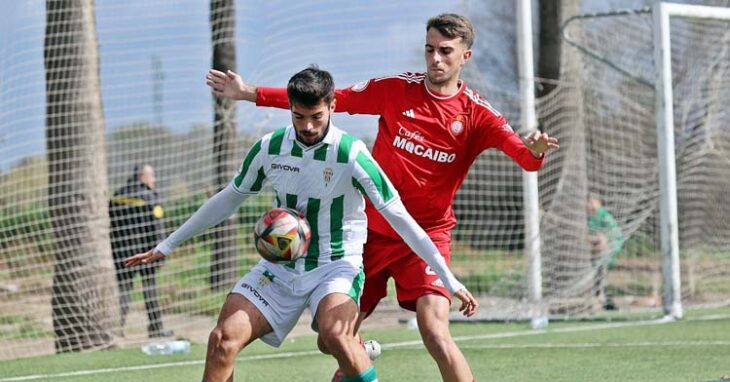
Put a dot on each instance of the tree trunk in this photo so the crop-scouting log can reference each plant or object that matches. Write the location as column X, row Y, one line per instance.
column 84, row 298
column 223, row 28
column 548, row 64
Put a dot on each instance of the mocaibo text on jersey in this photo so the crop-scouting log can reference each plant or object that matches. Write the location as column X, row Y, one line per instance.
column 423, row 151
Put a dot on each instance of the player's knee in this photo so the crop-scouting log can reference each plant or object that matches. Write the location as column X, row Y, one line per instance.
column 440, row 345
column 333, row 341
column 321, row 345
column 222, row 347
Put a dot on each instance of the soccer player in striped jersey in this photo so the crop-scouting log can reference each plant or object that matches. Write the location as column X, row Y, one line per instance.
column 432, row 127
column 323, row 172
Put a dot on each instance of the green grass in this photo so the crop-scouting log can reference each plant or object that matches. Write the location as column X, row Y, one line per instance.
column 689, row 350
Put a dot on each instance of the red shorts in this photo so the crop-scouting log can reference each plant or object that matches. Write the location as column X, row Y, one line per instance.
column 386, row 257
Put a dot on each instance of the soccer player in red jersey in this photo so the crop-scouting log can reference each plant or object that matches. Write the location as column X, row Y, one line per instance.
column 432, row 127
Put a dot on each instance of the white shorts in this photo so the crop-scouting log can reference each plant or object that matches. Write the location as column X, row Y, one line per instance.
column 281, row 294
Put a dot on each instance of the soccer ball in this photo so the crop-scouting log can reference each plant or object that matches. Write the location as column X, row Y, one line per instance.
column 282, row 235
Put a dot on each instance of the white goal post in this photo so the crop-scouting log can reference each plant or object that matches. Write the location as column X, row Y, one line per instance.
column 662, row 12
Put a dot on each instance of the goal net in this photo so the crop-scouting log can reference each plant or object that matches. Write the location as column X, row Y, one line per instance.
column 133, row 73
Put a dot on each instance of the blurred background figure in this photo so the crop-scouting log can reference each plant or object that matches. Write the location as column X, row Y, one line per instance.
column 605, row 239
column 137, row 226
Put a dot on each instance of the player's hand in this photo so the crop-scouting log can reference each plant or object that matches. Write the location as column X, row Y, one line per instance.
column 143, row 258
column 469, row 304
column 229, row 85
column 539, row 143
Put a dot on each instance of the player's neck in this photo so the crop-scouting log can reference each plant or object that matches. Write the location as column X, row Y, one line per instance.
column 446, row 88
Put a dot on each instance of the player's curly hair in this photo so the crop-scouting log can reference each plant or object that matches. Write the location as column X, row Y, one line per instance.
column 310, row 86
column 453, row 25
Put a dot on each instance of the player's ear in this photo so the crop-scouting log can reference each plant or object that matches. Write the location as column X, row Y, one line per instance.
column 332, row 105
column 467, row 55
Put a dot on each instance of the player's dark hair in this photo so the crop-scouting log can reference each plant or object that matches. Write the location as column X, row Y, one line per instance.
column 453, row 25
column 310, row 86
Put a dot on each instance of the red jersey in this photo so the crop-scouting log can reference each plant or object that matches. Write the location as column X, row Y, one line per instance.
column 426, row 142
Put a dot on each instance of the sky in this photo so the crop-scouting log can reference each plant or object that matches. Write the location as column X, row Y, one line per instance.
column 354, row 40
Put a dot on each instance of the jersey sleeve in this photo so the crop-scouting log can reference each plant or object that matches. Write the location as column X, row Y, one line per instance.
column 272, row 97
column 367, row 97
column 251, row 176
column 493, row 130
column 369, row 178
column 214, row 211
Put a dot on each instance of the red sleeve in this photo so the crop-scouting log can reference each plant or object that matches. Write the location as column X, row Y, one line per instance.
column 367, row 97
column 273, row 97
column 495, row 131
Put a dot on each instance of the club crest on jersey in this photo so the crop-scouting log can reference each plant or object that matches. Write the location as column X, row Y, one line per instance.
column 328, row 172
column 457, row 126
column 360, row 86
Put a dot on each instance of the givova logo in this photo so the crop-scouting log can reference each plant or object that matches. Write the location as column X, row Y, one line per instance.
column 285, row 167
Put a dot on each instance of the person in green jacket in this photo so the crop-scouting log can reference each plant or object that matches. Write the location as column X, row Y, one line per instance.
column 605, row 239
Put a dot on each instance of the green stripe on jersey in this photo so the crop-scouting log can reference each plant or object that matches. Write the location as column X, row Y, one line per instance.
column 343, row 150
column 321, row 153
column 256, row 186
column 247, row 163
column 276, row 138
column 336, row 214
column 296, row 150
column 291, row 201
column 359, row 187
column 313, row 253
column 376, row 176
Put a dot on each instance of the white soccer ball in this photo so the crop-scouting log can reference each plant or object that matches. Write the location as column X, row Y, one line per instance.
column 282, row 235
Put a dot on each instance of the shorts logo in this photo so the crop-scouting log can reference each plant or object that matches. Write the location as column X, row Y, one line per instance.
column 360, row 86
column 266, row 279
column 255, row 293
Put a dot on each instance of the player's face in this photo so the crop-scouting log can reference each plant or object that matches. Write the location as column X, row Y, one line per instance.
column 444, row 57
column 311, row 123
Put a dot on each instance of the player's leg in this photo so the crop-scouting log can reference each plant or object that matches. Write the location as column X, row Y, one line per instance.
column 336, row 317
column 125, row 279
column 239, row 323
column 375, row 289
column 432, row 314
column 151, row 303
column 335, row 302
column 419, row 289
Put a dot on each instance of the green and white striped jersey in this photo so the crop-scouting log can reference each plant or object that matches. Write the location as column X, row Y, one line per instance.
column 326, row 182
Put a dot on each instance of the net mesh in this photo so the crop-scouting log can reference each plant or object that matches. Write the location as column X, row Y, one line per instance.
column 155, row 109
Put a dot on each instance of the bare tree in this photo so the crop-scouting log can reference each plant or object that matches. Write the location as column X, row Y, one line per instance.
column 548, row 64
column 84, row 292
column 223, row 28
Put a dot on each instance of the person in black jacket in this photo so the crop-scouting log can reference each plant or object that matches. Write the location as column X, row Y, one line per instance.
column 137, row 226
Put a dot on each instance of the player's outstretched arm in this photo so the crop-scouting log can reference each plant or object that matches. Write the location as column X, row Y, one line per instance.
column 212, row 212
column 230, row 85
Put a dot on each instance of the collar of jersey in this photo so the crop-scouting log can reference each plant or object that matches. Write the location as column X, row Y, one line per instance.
column 329, row 139
column 440, row 97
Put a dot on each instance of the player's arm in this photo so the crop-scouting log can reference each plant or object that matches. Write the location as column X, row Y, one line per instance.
column 367, row 97
column 373, row 183
column 222, row 205
column 493, row 130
